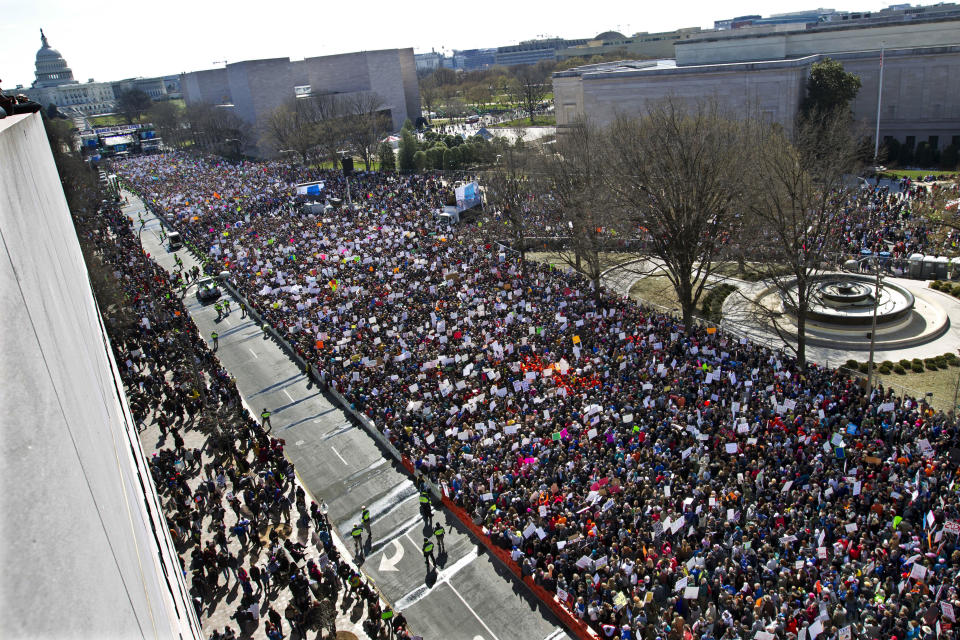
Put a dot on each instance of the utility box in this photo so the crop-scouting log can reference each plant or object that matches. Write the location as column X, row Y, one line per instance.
column 916, row 265
column 943, row 268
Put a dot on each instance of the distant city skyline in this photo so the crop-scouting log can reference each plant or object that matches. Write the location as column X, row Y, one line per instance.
column 122, row 40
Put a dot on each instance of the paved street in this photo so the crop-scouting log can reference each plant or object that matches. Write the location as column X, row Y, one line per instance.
column 469, row 596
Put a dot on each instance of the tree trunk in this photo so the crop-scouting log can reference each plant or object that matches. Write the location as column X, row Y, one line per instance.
column 687, row 309
column 802, row 338
column 802, row 305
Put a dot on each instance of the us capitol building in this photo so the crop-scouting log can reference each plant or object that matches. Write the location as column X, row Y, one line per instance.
column 55, row 84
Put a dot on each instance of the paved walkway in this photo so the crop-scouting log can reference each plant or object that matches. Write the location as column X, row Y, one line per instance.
column 737, row 317
column 227, row 592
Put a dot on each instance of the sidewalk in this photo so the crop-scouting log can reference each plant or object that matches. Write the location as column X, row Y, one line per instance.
column 227, row 593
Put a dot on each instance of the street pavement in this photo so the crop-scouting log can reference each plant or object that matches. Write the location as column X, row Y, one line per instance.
column 469, row 595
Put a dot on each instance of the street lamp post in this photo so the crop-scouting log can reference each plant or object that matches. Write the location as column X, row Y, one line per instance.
column 873, row 325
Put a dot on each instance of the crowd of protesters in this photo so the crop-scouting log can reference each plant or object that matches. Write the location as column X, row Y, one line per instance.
column 233, row 502
column 666, row 482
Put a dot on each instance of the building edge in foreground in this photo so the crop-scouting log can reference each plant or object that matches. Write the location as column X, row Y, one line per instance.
column 85, row 547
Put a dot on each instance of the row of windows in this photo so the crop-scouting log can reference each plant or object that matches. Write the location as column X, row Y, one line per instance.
column 932, row 141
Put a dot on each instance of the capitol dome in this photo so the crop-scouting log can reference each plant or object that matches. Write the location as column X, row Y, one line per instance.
column 51, row 68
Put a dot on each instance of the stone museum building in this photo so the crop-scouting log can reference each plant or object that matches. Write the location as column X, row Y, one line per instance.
column 766, row 68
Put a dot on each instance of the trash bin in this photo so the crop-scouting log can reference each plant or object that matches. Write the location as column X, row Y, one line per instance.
column 943, row 267
column 885, row 260
column 929, row 268
column 916, row 265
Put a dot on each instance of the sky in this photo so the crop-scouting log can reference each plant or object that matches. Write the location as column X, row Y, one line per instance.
column 111, row 40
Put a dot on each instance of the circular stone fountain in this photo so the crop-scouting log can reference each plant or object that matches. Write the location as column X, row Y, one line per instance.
column 841, row 312
column 847, row 301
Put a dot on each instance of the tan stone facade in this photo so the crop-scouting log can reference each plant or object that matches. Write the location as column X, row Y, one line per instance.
column 921, row 90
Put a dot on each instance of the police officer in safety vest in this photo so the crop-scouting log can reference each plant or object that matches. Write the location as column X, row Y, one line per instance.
column 365, row 519
column 425, row 509
column 438, row 532
column 428, row 553
column 357, row 533
column 265, row 419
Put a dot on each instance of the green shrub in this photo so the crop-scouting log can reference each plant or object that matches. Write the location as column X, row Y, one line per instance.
column 955, row 290
column 886, row 363
column 917, row 368
column 851, row 364
column 936, row 285
column 885, row 369
column 899, row 370
column 904, row 363
column 863, row 367
column 917, row 361
column 712, row 304
column 931, row 364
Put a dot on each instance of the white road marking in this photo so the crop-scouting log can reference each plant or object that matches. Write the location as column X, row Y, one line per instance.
column 556, row 635
column 443, row 575
column 227, row 322
column 390, row 564
column 299, row 442
column 288, row 395
column 470, row 609
column 252, row 353
column 340, row 456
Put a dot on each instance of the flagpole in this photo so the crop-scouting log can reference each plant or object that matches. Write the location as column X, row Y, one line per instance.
column 876, row 139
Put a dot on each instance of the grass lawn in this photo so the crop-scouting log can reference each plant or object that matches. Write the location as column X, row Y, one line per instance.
column 357, row 165
column 112, row 120
column 941, row 383
column 655, row 290
column 916, row 174
column 729, row 269
column 539, row 121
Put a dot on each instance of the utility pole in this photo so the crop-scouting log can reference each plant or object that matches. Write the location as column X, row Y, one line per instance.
column 876, row 137
column 873, row 330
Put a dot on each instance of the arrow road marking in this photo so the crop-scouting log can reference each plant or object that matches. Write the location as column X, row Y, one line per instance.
column 390, row 563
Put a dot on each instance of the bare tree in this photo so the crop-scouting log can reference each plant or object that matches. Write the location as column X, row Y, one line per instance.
column 480, row 95
column 291, row 126
column 797, row 197
column 168, row 118
column 508, row 189
column 529, row 87
column 133, row 103
column 331, row 130
column 676, row 173
column 429, row 95
column 367, row 123
column 573, row 183
column 216, row 129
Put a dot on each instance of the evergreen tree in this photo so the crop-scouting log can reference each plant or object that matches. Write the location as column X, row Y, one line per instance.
column 829, row 87
column 408, row 147
column 388, row 160
column 420, row 160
